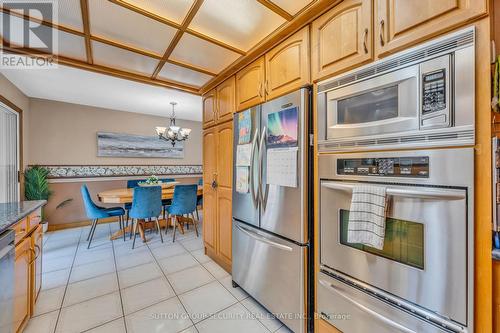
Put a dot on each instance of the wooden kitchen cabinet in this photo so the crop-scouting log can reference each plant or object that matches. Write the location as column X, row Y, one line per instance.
column 22, row 284
column 342, row 38
column 401, row 23
column 209, row 193
column 324, row 327
column 226, row 99
column 36, row 266
column 287, row 65
column 209, row 108
column 217, row 192
column 250, row 85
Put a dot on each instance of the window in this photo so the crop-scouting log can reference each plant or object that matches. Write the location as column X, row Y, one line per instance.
column 9, row 154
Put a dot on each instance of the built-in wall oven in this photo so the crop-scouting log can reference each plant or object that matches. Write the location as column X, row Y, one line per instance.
column 405, row 123
column 421, row 281
column 422, row 96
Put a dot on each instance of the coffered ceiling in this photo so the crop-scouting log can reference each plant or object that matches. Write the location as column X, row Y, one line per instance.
column 181, row 44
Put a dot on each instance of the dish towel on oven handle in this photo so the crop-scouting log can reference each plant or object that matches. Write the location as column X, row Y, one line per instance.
column 367, row 216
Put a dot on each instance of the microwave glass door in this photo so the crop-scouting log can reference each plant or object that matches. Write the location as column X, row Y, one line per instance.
column 384, row 104
column 403, row 242
column 376, row 105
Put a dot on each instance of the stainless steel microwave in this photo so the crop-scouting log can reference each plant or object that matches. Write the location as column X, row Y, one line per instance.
column 420, row 97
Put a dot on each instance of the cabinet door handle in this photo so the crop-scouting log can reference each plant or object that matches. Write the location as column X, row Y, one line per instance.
column 265, row 88
column 365, row 40
column 381, row 35
column 260, row 89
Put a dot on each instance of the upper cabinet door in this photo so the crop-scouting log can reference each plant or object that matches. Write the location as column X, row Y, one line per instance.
column 226, row 100
column 287, row 65
column 342, row 38
column 209, row 108
column 250, row 85
column 400, row 23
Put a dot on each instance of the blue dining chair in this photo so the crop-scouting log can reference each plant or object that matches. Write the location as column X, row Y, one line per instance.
column 131, row 183
column 166, row 202
column 183, row 203
column 146, row 204
column 95, row 213
column 199, row 200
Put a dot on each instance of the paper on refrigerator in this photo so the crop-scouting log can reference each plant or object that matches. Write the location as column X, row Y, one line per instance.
column 282, row 167
column 242, row 179
column 243, row 154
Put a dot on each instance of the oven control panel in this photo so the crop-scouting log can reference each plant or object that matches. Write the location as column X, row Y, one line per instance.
column 415, row 167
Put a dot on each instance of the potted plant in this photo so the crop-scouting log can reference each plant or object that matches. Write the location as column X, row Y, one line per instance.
column 36, row 187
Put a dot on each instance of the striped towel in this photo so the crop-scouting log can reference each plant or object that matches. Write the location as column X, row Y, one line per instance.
column 367, row 216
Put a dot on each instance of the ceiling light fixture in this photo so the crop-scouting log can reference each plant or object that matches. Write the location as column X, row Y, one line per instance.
column 173, row 133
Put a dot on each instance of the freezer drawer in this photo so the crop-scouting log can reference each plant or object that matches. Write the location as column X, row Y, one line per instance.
column 352, row 311
column 271, row 270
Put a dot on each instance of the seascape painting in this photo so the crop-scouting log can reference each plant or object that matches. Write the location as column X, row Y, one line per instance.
column 283, row 128
column 129, row 145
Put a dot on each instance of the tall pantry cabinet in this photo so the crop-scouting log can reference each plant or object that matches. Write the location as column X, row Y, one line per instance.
column 219, row 106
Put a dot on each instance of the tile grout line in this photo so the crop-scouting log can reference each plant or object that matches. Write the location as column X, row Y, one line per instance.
column 175, row 292
column 67, row 282
column 118, row 281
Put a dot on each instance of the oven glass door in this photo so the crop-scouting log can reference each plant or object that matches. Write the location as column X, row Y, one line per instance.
column 424, row 259
column 384, row 104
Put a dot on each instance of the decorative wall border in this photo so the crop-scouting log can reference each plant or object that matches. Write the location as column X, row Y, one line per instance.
column 93, row 171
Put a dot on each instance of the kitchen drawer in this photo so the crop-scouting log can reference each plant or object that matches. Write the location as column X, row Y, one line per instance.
column 276, row 278
column 34, row 219
column 20, row 229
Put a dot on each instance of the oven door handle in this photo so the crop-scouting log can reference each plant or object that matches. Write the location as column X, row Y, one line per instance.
column 373, row 313
column 403, row 192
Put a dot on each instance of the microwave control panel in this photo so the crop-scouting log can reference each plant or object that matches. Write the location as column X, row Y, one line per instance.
column 415, row 167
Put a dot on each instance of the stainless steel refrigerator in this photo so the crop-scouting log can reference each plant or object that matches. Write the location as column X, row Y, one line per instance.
column 272, row 209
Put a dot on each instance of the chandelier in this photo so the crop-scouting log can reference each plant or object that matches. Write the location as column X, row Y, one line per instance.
column 173, row 133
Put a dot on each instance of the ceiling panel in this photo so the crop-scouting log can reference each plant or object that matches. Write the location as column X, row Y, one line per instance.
column 114, row 22
column 68, row 13
column 114, row 57
column 15, row 35
column 292, row 7
column 198, row 52
column 71, row 46
column 173, row 10
column 239, row 23
column 185, row 75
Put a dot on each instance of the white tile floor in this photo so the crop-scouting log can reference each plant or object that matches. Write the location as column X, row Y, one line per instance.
column 157, row 287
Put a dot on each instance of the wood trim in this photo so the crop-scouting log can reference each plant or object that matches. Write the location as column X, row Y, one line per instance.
column 215, row 41
column 146, row 13
column 107, row 70
column 19, row 111
column 316, row 9
column 84, row 5
column 276, row 9
column 187, row 20
column 42, row 22
column 116, row 43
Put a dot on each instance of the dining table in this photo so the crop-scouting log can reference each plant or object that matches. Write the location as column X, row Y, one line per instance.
column 126, row 195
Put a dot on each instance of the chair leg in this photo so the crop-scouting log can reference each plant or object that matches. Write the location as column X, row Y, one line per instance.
column 92, row 233
column 197, row 214
column 134, row 230
column 126, row 222
column 195, row 222
column 175, row 228
column 123, row 226
column 159, row 230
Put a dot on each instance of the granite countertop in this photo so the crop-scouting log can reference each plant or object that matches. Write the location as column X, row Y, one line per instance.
column 12, row 212
column 496, row 254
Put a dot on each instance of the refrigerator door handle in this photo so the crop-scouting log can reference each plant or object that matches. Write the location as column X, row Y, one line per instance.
column 263, row 194
column 263, row 239
column 254, row 194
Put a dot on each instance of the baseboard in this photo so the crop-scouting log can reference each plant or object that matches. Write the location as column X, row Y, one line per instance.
column 62, row 226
